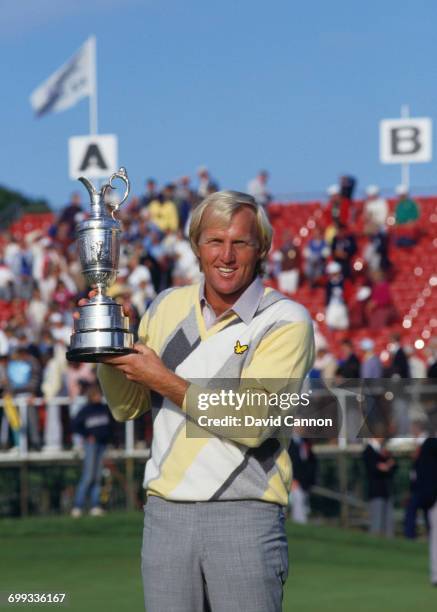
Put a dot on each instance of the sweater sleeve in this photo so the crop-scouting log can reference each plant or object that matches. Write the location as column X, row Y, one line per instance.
column 126, row 399
column 278, row 366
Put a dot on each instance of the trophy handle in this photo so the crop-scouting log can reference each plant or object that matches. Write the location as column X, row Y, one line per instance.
column 122, row 175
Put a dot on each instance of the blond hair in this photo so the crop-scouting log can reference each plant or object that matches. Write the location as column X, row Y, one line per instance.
column 224, row 204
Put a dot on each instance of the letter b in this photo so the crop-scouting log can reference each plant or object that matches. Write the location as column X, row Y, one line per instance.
column 405, row 140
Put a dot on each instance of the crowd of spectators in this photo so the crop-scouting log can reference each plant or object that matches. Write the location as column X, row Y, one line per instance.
column 41, row 281
column 356, row 296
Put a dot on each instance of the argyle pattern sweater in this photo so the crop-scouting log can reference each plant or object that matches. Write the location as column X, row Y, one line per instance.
column 278, row 344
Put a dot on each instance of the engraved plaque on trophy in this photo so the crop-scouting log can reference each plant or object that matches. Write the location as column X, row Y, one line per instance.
column 102, row 328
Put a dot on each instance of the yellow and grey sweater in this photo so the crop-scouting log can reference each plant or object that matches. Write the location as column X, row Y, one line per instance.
column 278, row 345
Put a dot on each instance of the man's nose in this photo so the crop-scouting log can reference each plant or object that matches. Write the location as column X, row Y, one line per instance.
column 228, row 252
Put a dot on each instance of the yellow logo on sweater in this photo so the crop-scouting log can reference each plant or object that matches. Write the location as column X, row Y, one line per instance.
column 239, row 349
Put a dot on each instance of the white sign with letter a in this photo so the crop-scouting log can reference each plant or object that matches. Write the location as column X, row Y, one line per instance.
column 405, row 141
column 93, row 156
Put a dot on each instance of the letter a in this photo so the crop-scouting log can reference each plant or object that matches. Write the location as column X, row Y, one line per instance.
column 93, row 157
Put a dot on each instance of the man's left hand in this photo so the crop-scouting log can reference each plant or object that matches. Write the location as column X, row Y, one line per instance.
column 144, row 366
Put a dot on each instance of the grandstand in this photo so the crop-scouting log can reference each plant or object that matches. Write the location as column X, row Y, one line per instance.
column 412, row 287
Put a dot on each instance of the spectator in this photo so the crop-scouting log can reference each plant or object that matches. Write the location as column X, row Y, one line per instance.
column 407, row 214
column 140, row 283
column 36, row 312
column 151, row 193
column 347, row 187
column 186, row 268
column 54, row 386
column 415, row 503
column 371, row 366
column 432, row 358
column 93, row 423
column 349, row 364
column 426, row 489
column 138, row 273
column 9, row 417
column 6, row 281
column 358, row 306
column 380, row 308
column 163, row 212
column 77, row 376
column 335, row 212
column 316, row 252
column 12, row 255
column 399, row 366
column 206, row 183
column 257, row 188
column 289, row 261
column 339, row 205
column 67, row 217
column 18, row 258
column 319, row 339
column 347, row 374
column 416, row 365
column 336, row 315
column 61, row 296
column 23, row 379
column 184, row 199
column 398, row 370
column 304, row 463
column 60, row 331
column 4, row 344
column 343, row 248
column 325, row 365
column 380, row 467
column 376, row 251
column 375, row 208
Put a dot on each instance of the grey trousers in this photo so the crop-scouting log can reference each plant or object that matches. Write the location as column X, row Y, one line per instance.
column 432, row 516
column 381, row 516
column 218, row 556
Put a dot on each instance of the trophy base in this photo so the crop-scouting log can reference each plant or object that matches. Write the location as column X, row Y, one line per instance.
column 102, row 330
column 95, row 355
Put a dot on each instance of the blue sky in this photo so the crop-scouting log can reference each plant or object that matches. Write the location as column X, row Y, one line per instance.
column 294, row 87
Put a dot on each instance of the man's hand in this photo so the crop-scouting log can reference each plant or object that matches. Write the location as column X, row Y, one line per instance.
column 146, row 368
column 84, row 302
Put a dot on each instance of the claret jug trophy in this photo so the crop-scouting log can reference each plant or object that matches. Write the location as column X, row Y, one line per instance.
column 102, row 329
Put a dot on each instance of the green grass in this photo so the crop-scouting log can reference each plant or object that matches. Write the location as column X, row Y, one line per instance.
column 97, row 561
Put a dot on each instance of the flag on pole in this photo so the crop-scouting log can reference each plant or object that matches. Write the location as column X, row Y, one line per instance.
column 72, row 82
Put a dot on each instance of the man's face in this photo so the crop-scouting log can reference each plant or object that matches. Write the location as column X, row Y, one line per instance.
column 229, row 253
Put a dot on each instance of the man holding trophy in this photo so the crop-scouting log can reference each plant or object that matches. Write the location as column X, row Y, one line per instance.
column 214, row 534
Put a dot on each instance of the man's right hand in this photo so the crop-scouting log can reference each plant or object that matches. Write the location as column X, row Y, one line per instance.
column 84, row 302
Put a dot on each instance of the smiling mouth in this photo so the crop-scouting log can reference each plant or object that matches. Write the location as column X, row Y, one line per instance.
column 226, row 272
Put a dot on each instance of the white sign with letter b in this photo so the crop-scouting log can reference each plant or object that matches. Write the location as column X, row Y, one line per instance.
column 405, row 141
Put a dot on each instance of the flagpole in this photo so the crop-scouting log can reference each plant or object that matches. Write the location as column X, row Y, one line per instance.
column 93, row 94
